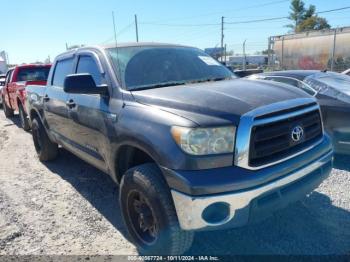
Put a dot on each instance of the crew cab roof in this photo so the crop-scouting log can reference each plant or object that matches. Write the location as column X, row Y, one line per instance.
column 136, row 44
column 126, row 44
column 31, row 66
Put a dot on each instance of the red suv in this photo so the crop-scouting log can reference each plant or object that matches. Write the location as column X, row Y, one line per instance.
column 14, row 91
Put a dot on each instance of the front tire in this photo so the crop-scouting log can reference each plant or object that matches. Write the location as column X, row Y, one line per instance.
column 45, row 148
column 149, row 213
column 24, row 118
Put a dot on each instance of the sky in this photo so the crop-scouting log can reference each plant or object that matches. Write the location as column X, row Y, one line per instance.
column 35, row 29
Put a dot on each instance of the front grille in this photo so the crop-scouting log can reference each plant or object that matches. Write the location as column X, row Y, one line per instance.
column 273, row 141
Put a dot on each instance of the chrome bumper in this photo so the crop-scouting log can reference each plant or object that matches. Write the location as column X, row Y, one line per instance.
column 190, row 209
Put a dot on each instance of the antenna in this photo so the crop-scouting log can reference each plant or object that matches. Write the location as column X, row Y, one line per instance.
column 117, row 49
column 115, row 31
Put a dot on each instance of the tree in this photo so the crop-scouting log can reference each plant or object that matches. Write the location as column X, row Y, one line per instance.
column 305, row 19
column 297, row 13
column 313, row 23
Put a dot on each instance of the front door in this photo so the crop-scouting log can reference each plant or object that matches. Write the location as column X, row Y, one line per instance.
column 89, row 115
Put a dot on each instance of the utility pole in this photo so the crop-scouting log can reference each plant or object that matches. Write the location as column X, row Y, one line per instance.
column 334, row 46
column 244, row 56
column 7, row 58
column 222, row 37
column 66, row 46
column 136, row 29
column 269, row 55
column 225, row 54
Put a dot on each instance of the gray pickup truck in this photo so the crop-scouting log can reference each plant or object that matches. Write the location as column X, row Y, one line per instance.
column 191, row 146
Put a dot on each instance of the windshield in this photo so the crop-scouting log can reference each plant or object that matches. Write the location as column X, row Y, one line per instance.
column 151, row 67
column 33, row 74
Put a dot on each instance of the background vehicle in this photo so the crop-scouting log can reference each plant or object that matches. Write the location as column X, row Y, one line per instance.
column 2, row 83
column 347, row 72
column 192, row 147
column 332, row 91
column 14, row 91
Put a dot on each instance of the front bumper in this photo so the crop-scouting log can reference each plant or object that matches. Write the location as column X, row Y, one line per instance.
column 245, row 206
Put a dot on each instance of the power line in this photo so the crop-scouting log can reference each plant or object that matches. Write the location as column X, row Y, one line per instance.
column 120, row 32
column 257, row 20
column 240, row 22
column 333, row 10
column 284, row 17
column 180, row 25
column 220, row 12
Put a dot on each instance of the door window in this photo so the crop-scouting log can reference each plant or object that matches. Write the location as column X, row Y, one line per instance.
column 8, row 77
column 88, row 65
column 62, row 69
column 288, row 81
column 306, row 88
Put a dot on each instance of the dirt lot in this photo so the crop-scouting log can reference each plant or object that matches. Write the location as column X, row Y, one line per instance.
column 69, row 207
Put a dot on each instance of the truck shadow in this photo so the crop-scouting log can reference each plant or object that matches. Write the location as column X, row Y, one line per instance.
column 342, row 162
column 95, row 186
column 16, row 121
column 313, row 226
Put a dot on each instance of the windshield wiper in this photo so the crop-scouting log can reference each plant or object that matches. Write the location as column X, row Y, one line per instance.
column 145, row 87
column 211, row 80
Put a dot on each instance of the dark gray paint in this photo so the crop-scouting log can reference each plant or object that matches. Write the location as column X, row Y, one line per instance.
column 97, row 127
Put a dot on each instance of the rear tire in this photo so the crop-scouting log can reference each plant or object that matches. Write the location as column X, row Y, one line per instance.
column 45, row 148
column 8, row 111
column 24, row 118
column 149, row 213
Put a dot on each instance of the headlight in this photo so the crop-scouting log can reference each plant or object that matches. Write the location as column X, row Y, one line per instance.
column 205, row 141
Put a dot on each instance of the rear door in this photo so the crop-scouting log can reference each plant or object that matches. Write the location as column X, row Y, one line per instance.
column 55, row 99
column 8, row 81
column 88, row 113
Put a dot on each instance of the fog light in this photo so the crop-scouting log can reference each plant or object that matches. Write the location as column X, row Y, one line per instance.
column 216, row 213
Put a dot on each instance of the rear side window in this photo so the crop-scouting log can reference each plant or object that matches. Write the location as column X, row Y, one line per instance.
column 288, row 81
column 62, row 69
column 88, row 65
column 306, row 88
column 9, row 76
column 33, row 74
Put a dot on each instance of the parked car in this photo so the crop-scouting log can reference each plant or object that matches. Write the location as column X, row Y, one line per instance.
column 347, row 72
column 192, row 147
column 14, row 91
column 332, row 91
column 2, row 83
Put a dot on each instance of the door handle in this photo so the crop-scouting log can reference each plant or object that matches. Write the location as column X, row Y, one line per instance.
column 46, row 98
column 71, row 104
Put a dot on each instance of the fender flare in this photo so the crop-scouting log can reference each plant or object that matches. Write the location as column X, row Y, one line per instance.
column 135, row 143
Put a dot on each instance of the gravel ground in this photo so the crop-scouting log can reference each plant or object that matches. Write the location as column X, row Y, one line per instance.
column 68, row 207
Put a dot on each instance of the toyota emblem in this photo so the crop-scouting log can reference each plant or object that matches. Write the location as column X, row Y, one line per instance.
column 297, row 133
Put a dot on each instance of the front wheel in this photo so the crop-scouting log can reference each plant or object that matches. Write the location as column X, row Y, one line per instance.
column 149, row 213
column 45, row 148
column 24, row 118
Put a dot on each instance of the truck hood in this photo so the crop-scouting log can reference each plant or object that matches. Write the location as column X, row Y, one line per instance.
column 227, row 100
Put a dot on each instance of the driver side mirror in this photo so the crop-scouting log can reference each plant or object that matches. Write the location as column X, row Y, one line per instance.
column 83, row 84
